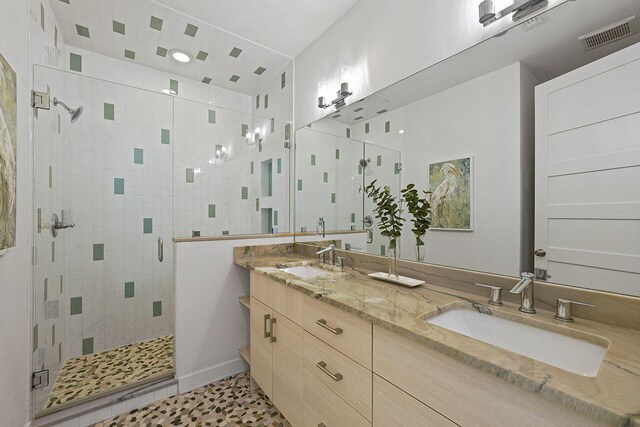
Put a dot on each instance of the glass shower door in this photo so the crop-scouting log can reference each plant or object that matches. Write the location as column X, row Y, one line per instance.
column 103, row 273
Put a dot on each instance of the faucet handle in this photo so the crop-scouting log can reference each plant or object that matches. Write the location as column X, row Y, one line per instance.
column 564, row 308
column 525, row 275
column 495, row 295
column 341, row 260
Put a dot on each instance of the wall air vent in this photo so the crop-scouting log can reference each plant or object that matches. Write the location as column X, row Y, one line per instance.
column 611, row 33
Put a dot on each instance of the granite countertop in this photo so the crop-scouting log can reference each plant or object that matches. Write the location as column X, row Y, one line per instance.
column 613, row 396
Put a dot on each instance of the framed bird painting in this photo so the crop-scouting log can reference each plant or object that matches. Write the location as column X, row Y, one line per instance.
column 451, row 186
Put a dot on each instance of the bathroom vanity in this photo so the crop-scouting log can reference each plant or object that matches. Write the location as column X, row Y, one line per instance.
column 342, row 349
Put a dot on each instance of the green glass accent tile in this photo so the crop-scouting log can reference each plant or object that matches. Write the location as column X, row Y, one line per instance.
column 270, row 179
column 348, row 132
column 129, row 289
column 53, row 251
column 225, row 232
column 235, row 52
column 118, row 27
column 82, row 31
column 299, row 185
column 383, row 250
column 387, row 127
column 234, row 78
column 35, row 337
column 46, row 289
column 42, row 16
column 50, row 177
column 244, row 193
column 98, row 252
column 359, row 169
column 353, row 217
column 275, row 217
column 190, row 176
column 337, row 154
column 129, row 54
column 283, row 80
column 325, row 177
column 366, row 128
column 39, row 220
column 212, row 211
column 165, row 136
column 156, row 23
column 260, row 70
column 212, row 117
column 287, row 132
column 162, row 51
column 379, row 160
column 65, row 1
column 257, row 205
column 202, row 55
column 118, row 185
column 173, row 86
column 279, row 167
column 251, row 168
column 147, row 225
column 53, row 334
column 75, row 304
column 266, row 101
column 191, row 30
column 109, row 111
column 333, row 197
column 61, row 283
column 396, row 168
column 260, row 146
column 273, row 124
column 75, row 62
column 138, row 156
column 244, row 130
column 313, row 160
column 87, row 346
column 257, row 101
column 206, row 80
column 157, row 308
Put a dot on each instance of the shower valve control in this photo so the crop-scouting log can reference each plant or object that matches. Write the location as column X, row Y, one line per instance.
column 57, row 224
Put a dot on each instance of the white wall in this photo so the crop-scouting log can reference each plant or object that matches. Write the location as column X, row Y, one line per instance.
column 14, row 266
column 211, row 325
column 383, row 42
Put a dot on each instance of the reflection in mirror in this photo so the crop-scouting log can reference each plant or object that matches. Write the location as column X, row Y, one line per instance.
column 466, row 129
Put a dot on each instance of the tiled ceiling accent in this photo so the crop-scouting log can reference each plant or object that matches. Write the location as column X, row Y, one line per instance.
column 143, row 31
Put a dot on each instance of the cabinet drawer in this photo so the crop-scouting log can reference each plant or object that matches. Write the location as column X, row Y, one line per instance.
column 462, row 393
column 343, row 331
column 262, row 288
column 288, row 302
column 324, row 407
column 393, row 407
column 353, row 382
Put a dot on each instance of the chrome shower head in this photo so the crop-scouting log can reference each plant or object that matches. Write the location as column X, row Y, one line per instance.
column 74, row 112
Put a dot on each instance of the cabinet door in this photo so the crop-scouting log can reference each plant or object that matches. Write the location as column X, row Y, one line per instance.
column 261, row 347
column 288, row 370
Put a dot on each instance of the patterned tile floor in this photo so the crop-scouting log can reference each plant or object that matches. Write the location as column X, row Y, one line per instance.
column 96, row 373
column 228, row 402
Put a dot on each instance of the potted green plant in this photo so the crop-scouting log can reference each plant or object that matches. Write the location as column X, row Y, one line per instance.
column 420, row 210
column 388, row 212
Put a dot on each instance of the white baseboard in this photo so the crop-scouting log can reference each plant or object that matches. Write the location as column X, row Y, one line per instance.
column 212, row 374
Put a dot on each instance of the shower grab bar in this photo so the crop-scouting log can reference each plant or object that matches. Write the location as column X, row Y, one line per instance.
column 160, row 249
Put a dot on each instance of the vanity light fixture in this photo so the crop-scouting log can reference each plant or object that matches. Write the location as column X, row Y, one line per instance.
column 180, row 56
column 339, row 102
column 487, row 10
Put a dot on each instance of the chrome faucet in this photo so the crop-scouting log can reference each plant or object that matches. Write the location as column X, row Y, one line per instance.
column 329, row 249
column 525, row 289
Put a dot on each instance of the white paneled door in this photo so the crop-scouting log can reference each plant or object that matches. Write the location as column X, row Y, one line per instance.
column 588, row 175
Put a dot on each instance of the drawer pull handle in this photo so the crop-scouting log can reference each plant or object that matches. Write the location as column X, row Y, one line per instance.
column 267, row 334
column 323, row 324
column 273, row 335
column 323, row 367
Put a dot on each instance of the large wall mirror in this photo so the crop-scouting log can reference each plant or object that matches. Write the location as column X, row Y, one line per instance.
column 514, row 173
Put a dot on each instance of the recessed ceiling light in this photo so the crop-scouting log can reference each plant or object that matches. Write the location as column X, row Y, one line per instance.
column 180, row 56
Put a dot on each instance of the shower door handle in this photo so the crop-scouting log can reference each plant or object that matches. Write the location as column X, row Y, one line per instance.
column 160, row 249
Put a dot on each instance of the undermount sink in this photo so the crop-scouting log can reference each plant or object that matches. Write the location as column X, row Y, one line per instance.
column 564, row 352
column 306, row 271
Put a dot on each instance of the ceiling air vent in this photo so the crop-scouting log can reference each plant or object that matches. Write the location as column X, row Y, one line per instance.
column 610, row 33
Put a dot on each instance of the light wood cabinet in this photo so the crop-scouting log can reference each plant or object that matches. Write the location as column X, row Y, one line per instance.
column 277, row 347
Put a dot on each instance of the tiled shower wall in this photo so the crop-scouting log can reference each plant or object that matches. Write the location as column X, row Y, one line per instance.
column 99, row 285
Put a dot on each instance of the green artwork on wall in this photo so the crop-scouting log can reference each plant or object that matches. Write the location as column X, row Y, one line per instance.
column 8, row 153
column 452, row 193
